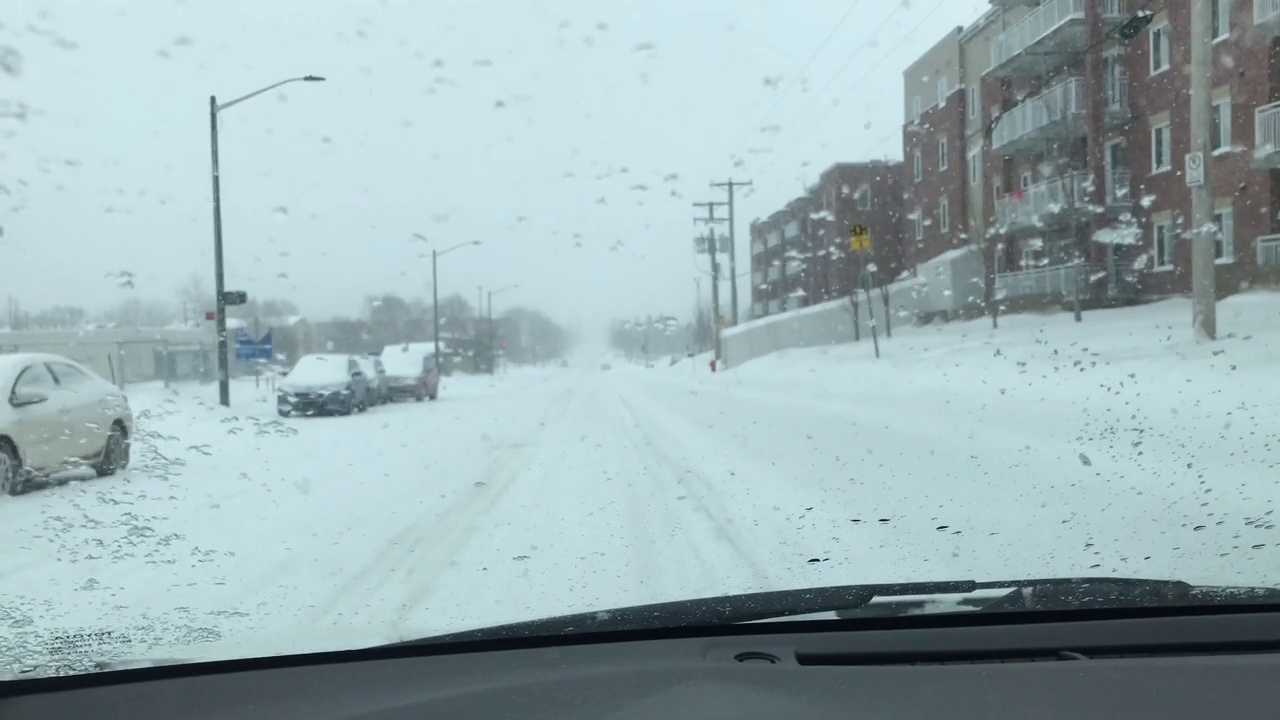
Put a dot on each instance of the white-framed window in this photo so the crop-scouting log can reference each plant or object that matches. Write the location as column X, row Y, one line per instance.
column 975, row 167
column 944, row 215
column 942, row 153
column 1162, row 244
column 1161, row 147
column 943, row 91
column 863, row 198
column 916, row 169
column 1159, row 48
column 997, row 190
column 1221, row 19
column 917, row 221
column 973, row 101
column 1029, row 257
column 1220, row 132
column 1224, row 246
column 915, row 108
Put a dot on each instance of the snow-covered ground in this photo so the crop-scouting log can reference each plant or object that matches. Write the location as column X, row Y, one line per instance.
column 1046, row 448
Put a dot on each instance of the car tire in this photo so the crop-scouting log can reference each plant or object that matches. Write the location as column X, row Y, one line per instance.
column 12, row 476
column 115, row 455
column 284, row 412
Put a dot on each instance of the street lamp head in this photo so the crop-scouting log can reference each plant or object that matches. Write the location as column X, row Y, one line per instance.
column 475, row 242
column 312, row 78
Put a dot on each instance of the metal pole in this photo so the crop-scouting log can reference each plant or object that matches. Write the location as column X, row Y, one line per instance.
column 435, row 308
column 1204, row 320
column 733, row 246
column 492, row 356
column 220, row 315
column 715, row 290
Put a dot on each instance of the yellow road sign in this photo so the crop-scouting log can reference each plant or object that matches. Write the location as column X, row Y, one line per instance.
column 859, row 238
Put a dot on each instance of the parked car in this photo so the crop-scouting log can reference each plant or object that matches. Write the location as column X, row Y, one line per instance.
column 59, row 416
column 323, row 384
column 376, row 374
column 411, row 372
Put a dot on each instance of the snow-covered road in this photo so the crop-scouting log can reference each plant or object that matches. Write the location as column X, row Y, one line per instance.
column 539, row 492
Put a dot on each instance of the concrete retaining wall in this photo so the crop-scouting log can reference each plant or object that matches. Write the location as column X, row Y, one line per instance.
column 946, row 286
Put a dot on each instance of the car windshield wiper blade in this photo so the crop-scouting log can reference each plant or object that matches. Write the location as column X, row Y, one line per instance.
column 850, row 601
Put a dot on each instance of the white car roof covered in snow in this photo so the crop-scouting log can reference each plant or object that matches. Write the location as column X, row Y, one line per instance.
column 10, row 364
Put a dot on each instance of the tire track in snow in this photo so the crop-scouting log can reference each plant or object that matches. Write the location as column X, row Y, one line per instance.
column 699, row 491
column 420, row 553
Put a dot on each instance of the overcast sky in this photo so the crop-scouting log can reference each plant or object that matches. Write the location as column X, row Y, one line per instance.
column 570, row 138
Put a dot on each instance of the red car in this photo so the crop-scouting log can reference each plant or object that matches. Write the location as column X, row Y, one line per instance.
column 411, row 373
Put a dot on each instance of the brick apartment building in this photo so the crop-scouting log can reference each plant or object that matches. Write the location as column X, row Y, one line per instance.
column 1041, row 134
column 800, row 254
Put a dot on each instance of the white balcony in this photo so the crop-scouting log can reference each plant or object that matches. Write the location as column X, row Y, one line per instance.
column 1266, row 136
column 1266, row 17
column 1269, row 251
column 1056, row 28
column 1051, row 281
column 1043, row 203
column 1057, row 113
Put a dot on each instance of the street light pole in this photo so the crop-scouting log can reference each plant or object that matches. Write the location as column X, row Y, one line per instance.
column 219, row 284
column 492, row 349
column 220, row 298
column 435, row 296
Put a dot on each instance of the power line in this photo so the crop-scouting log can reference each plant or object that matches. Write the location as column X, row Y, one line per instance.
column 800, row 73
column 856, row 83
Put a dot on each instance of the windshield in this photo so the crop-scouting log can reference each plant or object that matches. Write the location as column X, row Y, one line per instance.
column 721, row 298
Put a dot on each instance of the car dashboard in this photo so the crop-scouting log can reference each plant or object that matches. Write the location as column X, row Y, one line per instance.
column 1033, row 665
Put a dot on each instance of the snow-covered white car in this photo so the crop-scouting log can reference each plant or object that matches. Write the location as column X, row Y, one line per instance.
column 58, row 415
column 411, row 373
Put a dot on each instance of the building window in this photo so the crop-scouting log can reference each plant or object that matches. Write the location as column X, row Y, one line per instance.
column 997, row 190
column 1224, row 245
column 1159, row 48
column 1221, row 18
column 863, row 198
column 917, row 221
column 915, row 108
column 973, row 101
column 943, row 91
column 915, row 165
column 1025, row 181
column 942, row 153
column 975, row 167
column 1162, row 244
column 944, row 215
column 1220, row 133
column 1161, row 152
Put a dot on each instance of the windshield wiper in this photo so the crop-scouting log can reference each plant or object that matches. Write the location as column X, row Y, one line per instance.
column 891, row 599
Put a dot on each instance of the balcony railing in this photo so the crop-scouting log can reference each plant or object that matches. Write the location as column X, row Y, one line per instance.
column 758, row 277
column 1266, row 130
column 1038, row 23
column 1268, row 251
column 1055, row 280
column 1265, row 11
column 1028, row 207
column 1063, row 101
column 775, row 273
column 1118, row 182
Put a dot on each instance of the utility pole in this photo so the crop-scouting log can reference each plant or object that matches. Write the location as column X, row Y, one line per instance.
column 729, row 185
column 711, row 221
column 1204, row 314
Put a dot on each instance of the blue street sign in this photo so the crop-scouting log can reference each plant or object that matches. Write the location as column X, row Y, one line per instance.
column 248, row 349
